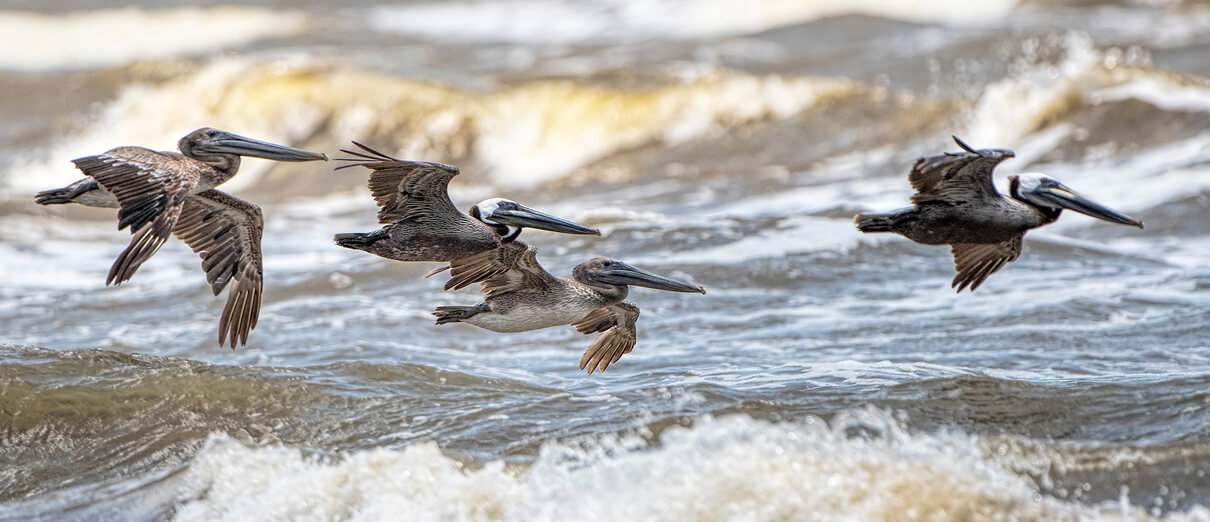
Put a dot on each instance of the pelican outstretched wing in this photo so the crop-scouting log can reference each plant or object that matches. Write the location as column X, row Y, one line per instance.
column 954, row 177
column 510, row 267
column 226, row 232
column 150, row 187
column 412, row 190
column 618, row 335
column 976, row 261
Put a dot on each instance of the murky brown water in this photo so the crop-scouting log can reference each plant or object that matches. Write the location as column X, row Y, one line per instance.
column 826, row 375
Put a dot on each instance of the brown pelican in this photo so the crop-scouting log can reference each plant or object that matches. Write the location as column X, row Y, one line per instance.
column 422, row 223
column 523, row 296
column 158, row 193
column 956, row 204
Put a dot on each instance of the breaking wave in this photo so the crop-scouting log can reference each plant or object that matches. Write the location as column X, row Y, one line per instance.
column 521, row 135
column 860, row 466
column 1039, row 101
column 524, row 134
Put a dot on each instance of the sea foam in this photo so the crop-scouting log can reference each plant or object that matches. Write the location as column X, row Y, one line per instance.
column 860, row 466
column 523, row 135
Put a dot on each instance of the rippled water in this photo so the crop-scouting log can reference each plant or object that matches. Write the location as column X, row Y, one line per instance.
column 826, row 375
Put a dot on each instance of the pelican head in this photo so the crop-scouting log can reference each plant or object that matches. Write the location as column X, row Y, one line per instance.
column 207, row 140
column 1046, row 192
column 1000, row 154
column 508, row 213
column 611, row 272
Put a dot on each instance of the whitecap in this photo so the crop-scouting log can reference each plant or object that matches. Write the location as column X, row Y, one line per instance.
column 731, row 468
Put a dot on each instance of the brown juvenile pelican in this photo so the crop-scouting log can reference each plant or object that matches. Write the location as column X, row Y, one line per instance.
column 422, row 223
column 956, row 204
column 158, row 193
column 523, row 296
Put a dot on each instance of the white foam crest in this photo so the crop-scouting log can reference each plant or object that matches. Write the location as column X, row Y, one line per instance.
column 598, row 21
column 1010, row 110
column 227, row 94
column 525, row 134
column 545, row 131
column 1161, row 91
column 111, row 37
column 733, row 468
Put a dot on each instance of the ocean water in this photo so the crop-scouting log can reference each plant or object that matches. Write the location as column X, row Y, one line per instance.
column 827, row 375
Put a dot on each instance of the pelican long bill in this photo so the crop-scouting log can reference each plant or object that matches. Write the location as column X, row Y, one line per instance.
column 219, row 141
column 623, row 274
column 1061, row 195
column 523, row 216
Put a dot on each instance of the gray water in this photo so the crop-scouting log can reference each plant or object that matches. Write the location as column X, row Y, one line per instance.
column 827, row 375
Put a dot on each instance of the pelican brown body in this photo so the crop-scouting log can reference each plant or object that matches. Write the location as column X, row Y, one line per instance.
column 956, row 204
column 162, row 193
column 422, row 224
column 523, row 296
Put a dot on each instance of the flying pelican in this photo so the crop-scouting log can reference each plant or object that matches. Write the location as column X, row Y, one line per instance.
column 157, row 193
column 523, row 296
column 956, row 204
column 422, row 224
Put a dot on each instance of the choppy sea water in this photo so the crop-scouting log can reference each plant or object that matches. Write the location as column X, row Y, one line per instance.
column 827, row 375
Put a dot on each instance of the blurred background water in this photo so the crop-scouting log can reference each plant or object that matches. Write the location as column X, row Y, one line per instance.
column 827, row 375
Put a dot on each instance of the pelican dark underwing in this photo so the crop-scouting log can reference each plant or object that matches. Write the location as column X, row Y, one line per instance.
column 523, row 296
column 422, row 224
column 162, row 193
column 956, row 204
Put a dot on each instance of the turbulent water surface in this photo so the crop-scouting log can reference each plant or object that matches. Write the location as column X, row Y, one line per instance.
column 826, row 375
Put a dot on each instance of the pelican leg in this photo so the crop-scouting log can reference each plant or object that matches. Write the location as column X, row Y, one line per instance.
column 454, row 314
